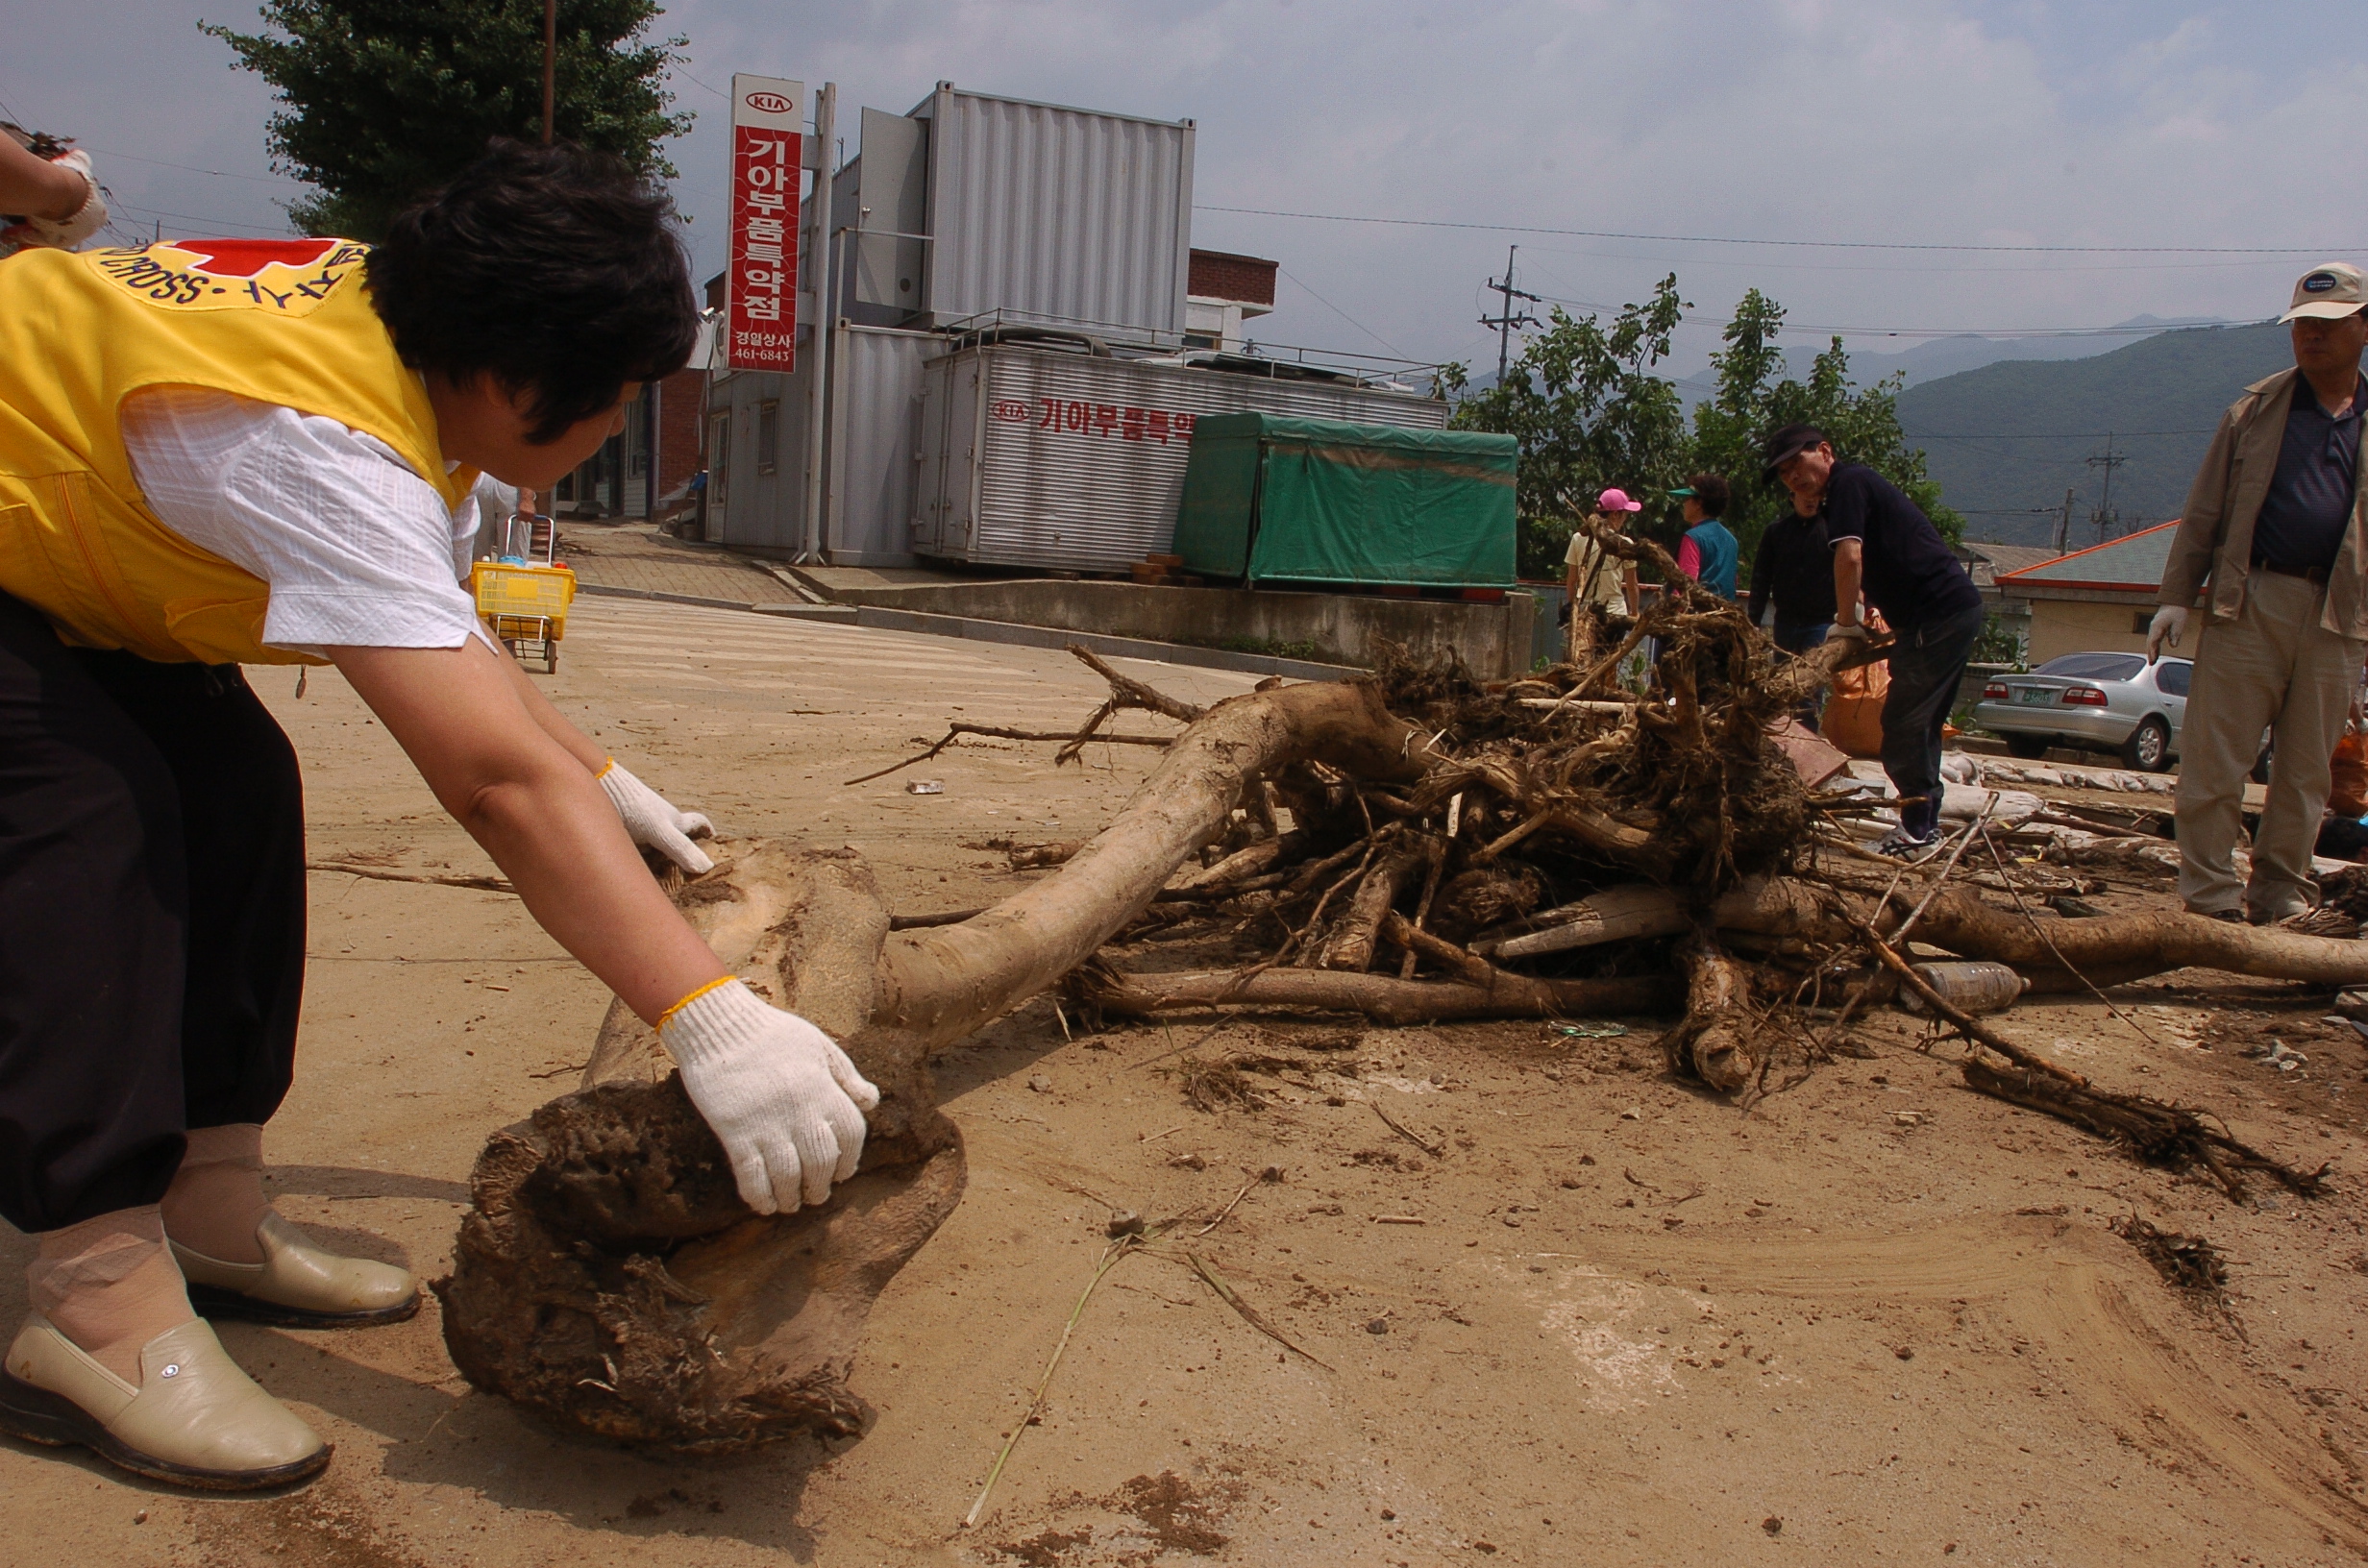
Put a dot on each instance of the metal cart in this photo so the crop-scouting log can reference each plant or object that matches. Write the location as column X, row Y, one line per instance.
column 525, row 600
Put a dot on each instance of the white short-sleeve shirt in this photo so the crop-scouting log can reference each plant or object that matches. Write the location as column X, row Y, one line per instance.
column 358, row 549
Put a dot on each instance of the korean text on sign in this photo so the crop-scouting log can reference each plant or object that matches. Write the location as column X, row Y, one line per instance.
column 767, row 169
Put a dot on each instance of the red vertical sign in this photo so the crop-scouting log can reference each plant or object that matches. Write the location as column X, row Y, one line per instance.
column 768, row 169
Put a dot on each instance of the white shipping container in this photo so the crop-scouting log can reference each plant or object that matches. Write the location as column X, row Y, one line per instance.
column 1054, row 214
column 1075, row 462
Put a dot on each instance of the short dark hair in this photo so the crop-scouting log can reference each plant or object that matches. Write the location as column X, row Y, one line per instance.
column 1710, row 493
column 554, row 269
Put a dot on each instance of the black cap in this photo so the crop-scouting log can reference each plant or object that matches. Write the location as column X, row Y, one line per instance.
column 1786, row 444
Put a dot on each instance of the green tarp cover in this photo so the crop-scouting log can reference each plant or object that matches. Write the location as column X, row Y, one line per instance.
column 1270, row 498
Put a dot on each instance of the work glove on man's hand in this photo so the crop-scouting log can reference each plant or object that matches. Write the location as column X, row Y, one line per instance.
column 2169, row 624
column 1846, row 631
column 782, row 1098
column 70, row 231
column 654, row 823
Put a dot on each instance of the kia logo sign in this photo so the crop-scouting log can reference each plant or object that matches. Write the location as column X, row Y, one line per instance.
column 769, row 103
column 1010, row 411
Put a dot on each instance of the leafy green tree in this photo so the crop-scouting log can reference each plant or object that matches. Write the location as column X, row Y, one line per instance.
column 1588, row 413
column 383, row 100
column 1755, row 397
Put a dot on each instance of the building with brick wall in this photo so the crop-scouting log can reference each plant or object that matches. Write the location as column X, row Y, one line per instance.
column 1221, row 291
column 663, row 424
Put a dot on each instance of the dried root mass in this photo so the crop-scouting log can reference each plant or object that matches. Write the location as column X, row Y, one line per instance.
column 1416, row 848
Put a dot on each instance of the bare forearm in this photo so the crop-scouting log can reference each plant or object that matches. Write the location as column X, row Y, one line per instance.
column 557, row 838
column 1846, row 573
column 531, row 803
column 552, row 722
column 35, row 187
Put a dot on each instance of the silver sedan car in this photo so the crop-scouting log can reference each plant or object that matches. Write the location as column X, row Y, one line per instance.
column 2091, row 702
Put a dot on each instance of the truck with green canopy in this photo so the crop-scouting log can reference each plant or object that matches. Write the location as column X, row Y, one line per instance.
column 1272, row 499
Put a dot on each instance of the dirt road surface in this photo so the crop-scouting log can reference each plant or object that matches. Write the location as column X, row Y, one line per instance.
column 1571, row 1313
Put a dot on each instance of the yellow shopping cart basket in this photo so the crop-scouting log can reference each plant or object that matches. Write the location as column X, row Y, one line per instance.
column 527, row 606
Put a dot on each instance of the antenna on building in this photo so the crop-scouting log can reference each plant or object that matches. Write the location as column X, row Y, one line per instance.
column 1505, row 322
column 2104, row 516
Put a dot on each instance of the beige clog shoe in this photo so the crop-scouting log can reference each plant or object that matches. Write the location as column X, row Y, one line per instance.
column 297, row 1285
column 195, row 1419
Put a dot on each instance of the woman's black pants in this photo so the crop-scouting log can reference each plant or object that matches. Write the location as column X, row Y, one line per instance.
column 152, row 919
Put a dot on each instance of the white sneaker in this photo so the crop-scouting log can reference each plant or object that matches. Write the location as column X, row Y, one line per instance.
column 1900, row 845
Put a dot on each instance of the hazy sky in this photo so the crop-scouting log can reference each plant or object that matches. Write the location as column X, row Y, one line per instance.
column 1900, row 122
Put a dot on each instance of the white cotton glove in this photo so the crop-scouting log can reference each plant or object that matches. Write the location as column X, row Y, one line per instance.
column 65, row 232
column 784, row 1101
column 2169, row 624
column 1846, row 631
column 655, row 825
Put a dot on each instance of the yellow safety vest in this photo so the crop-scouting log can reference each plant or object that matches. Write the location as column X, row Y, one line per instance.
column 285, row 322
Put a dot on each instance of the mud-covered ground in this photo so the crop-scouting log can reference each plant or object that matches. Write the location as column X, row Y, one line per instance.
column 1566, row 1309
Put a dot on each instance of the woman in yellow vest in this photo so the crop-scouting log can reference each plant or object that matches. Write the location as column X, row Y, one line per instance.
column 225, row 452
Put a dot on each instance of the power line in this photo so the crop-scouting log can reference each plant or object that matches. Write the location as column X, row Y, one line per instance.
column 1996, row 334
column 1798, row 244
column 2059, row 435
column 191, row 168
column 1343, row 314
column 190, row 217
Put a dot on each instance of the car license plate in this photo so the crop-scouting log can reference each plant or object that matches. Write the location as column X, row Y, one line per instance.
column 2031, row 696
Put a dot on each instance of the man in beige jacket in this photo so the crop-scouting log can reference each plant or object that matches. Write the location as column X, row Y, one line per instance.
column 2274, row 521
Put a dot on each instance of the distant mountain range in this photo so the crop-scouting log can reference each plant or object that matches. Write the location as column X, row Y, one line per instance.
column 2007, row 439
column 1939, row 356
column 2007, row 424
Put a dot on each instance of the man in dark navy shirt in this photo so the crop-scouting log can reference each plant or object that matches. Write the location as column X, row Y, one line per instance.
column 2271, row 523
column 1794, row 569
column 1884, row 544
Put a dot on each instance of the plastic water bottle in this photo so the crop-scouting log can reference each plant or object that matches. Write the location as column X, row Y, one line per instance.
column 1969, row 987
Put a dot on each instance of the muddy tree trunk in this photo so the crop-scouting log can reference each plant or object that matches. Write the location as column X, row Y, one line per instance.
column 1384, row 999
column 2056, row 955
column 1712, row 1042
column 607, row 1275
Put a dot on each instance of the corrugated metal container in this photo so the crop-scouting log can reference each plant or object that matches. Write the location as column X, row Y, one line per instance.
column 1075, row 462
column 1060, row 214
column 874, row 394
column 758, row 500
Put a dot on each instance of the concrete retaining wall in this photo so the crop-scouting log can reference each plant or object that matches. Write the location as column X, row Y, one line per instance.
column 1496, row 641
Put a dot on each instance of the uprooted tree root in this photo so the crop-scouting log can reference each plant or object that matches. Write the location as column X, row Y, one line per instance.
column 2188, row 1264
column 607, row 1276
column 1386, row 848
column 2166, row 1135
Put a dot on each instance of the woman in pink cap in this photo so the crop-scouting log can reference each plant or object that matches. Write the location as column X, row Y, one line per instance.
column 1598, row 578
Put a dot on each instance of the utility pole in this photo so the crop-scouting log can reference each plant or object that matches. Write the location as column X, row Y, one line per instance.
column 2063, row 525
column 1505, row 322
column 550, row 62
column 2109, row 462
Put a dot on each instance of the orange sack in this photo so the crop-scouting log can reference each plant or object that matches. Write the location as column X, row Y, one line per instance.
column 1853, row 718
column 2349, row 796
